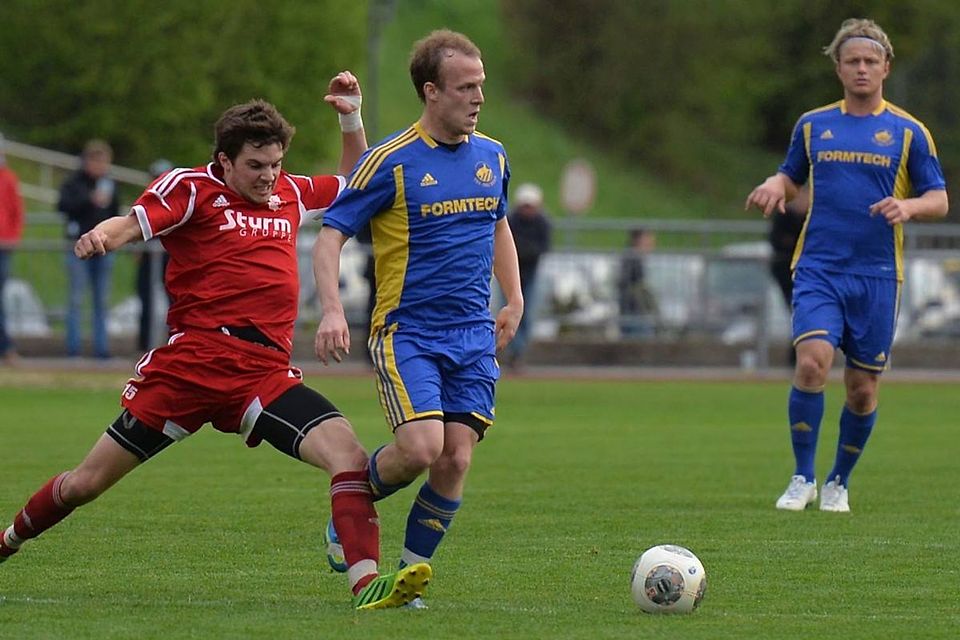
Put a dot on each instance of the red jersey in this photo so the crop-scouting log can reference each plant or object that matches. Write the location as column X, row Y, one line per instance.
column 232, row 262
column 11, row 208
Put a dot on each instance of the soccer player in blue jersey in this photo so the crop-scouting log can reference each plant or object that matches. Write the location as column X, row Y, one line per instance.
column 435, row 195
column 871, row 167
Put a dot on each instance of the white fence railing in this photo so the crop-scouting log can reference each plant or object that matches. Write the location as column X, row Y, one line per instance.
column 707, row 280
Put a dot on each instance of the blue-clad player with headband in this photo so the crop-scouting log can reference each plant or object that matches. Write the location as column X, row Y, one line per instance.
column 870, row 167
column 435, row 196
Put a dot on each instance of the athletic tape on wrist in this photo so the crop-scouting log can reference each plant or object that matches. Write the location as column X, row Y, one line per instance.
column 351, row 121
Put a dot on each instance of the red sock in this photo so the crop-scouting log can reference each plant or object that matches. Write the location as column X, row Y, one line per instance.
column 357, row 525
column 43, row 510
column 5, row 551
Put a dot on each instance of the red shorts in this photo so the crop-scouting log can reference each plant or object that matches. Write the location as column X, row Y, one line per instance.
column 205, row 376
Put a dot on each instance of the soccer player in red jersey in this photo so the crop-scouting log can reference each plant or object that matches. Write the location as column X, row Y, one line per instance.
column 230, row 230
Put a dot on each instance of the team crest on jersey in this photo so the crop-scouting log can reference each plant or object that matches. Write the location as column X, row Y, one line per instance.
column 483, row 175
column 274, row 202
column 883, row 138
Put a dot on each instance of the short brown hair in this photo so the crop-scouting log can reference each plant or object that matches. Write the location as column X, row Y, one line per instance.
column 428, row 53
column 859, row 28
column 257, row 122
column 97, row 148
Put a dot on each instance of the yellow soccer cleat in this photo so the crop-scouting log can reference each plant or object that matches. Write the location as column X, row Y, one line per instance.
column 395, row 589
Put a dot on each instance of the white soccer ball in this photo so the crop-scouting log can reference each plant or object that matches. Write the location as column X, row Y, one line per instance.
column 668, row 578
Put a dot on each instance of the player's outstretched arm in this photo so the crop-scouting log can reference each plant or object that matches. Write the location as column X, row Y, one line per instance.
column 772, row 193
column 109, row 235
column 345, row 97
column 333, row 334
column 507, row 271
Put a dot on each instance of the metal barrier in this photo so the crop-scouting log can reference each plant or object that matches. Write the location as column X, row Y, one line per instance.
column 53, row 165
column 707, row 280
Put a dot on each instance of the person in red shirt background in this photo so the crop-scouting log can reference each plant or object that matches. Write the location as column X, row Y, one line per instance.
column 11, row 230
column 230, row 229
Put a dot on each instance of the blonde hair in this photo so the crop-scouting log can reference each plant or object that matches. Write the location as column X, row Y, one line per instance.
column 859, row 28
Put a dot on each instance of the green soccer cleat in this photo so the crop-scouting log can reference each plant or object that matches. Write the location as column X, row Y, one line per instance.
column 394, row 589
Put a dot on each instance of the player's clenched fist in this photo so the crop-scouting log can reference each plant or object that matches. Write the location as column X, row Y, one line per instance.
column 92, row 243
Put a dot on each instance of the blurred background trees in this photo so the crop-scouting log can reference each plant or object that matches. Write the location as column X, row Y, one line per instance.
column 696, row 90
column 683, row 105
column 152, row 77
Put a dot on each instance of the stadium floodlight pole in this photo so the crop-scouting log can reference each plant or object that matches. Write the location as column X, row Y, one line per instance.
column 379, row 14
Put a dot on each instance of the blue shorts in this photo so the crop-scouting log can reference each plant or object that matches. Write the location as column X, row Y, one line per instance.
column 448, row 375
column 855, row 313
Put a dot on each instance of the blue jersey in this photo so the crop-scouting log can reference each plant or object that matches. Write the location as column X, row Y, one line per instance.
column 432, row 210
column 852, row 162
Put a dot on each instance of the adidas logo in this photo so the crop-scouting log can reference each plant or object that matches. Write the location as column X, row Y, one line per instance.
column 881, row 357
column 428, row 180
column 220, row 202
column 826, row 135
column 433, row 523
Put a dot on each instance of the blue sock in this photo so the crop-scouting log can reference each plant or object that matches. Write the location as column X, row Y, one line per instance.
column 854, row 432
column 429, row 519
column 806, row 413
column 381, row 490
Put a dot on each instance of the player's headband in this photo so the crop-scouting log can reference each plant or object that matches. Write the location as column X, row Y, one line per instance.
column 872, row 41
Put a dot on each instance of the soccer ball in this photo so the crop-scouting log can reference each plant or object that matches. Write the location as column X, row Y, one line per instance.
column 668, row 579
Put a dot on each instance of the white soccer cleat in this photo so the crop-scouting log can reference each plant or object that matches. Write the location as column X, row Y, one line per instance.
column 834, row 497
column 798, row 495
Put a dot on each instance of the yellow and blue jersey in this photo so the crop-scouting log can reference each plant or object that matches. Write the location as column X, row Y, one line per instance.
column 432, row 210
column 852, row 162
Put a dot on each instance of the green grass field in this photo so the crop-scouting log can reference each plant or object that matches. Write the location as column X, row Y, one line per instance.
column 211, row 540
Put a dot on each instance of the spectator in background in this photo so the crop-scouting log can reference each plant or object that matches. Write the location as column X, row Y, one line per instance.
column 11, row 229
column 531, row 233
column 151, row 267
column 88, row 197
column 784, row 232
column 638, row 307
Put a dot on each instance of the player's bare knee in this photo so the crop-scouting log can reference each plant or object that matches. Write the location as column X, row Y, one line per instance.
column 81, row 486
column 861, row 399
column 421, row 459
column 356, row 458
column 454, row 464
column 332, row 445
column 344, row 447
column 421, row 455
column 419, row 444
column 811, row 371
